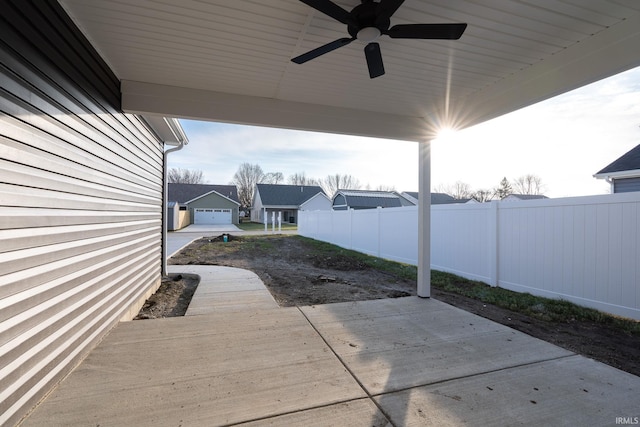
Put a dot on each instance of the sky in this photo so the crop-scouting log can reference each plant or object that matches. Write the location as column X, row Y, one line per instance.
column 564, row 141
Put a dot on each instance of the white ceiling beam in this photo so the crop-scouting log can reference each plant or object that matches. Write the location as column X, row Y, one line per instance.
column 170, row 101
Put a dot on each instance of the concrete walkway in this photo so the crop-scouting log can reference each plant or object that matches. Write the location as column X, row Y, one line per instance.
column 237, row 359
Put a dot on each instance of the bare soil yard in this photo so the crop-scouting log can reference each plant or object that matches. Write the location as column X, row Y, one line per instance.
column 298, row 274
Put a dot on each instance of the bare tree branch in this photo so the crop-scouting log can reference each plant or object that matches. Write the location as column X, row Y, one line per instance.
column 385, row 188
column 459, row 190
column 246, row 178
column 300, row 178
column 528, row 184
column 185, row 176
column 272, row 178
column 483, row 195
column 332, row 183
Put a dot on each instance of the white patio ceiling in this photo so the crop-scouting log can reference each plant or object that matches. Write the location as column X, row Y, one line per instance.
column 229, row 60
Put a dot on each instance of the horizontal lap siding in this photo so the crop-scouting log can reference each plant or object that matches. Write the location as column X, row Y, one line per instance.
column 80, row 202
column 626, row 185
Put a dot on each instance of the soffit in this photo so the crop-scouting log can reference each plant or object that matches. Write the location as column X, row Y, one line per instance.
column 230, row 60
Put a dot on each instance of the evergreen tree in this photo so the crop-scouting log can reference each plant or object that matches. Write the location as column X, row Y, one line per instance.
column 504, row 189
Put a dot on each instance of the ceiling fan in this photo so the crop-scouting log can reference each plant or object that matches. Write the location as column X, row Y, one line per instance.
column 368, row 21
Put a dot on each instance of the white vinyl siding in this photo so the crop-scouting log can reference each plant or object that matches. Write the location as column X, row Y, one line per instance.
column 625, row 185
column 80, row 203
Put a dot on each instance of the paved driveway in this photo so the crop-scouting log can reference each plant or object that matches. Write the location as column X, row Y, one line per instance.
column 177, row 240
column 208, row 228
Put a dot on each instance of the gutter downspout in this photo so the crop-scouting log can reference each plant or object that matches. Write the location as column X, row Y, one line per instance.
column 611, row 183
column 165, row 196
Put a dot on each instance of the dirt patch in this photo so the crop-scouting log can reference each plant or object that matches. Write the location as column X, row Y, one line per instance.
column 297, row 278
column 293, row 276
column 604, row 343
column 171, row 299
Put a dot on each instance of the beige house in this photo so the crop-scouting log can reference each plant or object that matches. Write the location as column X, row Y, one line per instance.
column 206, row 204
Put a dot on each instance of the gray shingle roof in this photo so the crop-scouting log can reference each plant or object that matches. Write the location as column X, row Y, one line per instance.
column 364, row 199
column 286, row 195
column 627, row 162
column 183, row 193
column 438, row 198
column 528, row 196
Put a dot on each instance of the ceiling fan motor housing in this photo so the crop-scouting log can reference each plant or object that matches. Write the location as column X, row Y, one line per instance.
column 365, row 15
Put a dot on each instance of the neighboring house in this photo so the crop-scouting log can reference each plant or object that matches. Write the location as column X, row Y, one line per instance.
column 623, row 173
column 286, row 199
column 319, row 202
column 516, row 197
column 364, row 199
column 207, row 204
column 436, row 198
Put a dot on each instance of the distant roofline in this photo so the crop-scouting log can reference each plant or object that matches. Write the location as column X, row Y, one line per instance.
column 619, row 174
column 367, row 193
column 208, row 193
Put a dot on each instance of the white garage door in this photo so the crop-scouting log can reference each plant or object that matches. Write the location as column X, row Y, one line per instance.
column 212, row 216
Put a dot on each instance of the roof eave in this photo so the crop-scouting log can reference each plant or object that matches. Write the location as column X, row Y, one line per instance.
column 618, row 174
column 168, row 129
column 208, row 193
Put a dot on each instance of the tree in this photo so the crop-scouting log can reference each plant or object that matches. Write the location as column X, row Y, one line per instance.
column 504, row 189
column 385, row 188
column 483, row 195
column 185, row 176
column 300, row 178
column 272, row 178
column 246, row 178
column 528, row 184
column 332, row 183
column 459, row 190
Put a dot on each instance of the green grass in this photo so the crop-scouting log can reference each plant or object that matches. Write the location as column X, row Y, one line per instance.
column 546, row 309
column 324, row 249
column 256, row 226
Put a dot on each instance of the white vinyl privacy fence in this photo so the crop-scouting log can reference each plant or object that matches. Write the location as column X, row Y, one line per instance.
column 581, row 249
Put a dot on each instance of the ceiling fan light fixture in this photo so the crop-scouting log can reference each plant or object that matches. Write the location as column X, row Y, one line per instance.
column 369, row 20
column 368, row 34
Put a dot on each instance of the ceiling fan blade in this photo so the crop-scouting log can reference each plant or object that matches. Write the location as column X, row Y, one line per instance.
column 427, row 31
column 312, row 54
column 374, row 60
column 386, row 8
column 329, row 8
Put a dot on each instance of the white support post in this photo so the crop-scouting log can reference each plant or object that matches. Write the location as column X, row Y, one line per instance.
column 493, row 236
column 265, row 219
column 279, row 222
column 424, row 220
column 273, row 221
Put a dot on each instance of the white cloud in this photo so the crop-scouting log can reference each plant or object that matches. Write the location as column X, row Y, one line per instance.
column 218, row 149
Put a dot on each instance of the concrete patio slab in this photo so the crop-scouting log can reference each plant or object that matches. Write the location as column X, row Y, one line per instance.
column 393, row 344
column 406, row 361
column 356, row 413
column 212, row 369
column 571, row 391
